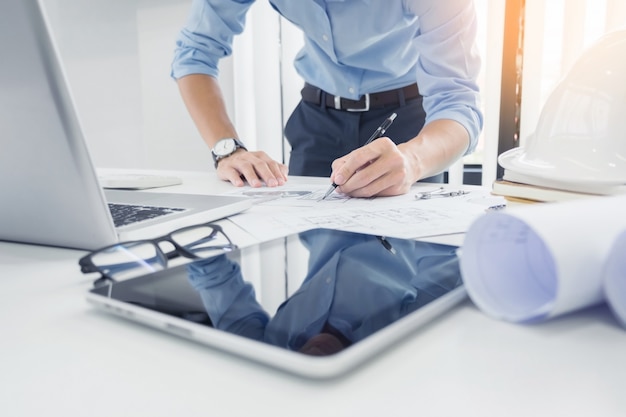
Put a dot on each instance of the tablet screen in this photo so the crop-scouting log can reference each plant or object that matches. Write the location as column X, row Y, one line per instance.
column 316, row 293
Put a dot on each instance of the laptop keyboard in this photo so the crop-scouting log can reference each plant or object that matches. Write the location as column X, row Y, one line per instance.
column 125, row 214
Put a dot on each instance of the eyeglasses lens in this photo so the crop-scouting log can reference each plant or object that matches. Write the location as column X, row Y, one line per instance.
column 202, row 241
column 126, row 261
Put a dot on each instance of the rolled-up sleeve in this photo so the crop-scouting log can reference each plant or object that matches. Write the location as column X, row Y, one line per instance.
column 208, row 36
column 229, row 301
column 449, row 63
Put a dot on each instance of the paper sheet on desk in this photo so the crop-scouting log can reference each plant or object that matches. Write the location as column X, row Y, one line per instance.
column 534, row 262
column 401, row 216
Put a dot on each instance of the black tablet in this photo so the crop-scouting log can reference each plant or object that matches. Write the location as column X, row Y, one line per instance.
column 316, row 304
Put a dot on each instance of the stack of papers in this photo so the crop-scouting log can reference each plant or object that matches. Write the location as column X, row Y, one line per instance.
column 296, row 208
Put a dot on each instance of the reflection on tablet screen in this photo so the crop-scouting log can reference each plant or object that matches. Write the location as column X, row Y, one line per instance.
column 349, row 286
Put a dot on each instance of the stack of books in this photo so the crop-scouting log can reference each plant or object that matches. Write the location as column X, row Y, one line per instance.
column 521, row 188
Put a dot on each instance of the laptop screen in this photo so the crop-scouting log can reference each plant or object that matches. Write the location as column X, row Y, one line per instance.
column 339, row 288
column 49, row 187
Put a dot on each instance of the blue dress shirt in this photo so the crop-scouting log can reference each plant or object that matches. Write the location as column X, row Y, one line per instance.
column 354, row 284
column 354, row 47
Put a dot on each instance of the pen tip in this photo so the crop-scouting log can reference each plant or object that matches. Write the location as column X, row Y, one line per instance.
column 330, row 191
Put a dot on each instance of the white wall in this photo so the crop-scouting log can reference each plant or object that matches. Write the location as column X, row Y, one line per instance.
column 117, row 56
column 557, row 32
column 100, row 62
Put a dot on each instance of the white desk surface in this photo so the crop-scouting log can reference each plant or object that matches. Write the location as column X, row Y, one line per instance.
column 60, row 357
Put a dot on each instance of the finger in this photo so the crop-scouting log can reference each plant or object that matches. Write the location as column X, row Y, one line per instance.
column 335, row 170
column 271, row 169
column 379, row 187
column 359, row 158
column 230, row 174
column 256, row 168
column 387, row 175
column 280, row 171
column 366, row 181
column 249, row 173
column 270, row 173
column 238, row 170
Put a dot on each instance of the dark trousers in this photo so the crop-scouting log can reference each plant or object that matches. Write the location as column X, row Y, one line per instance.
column 318, row 135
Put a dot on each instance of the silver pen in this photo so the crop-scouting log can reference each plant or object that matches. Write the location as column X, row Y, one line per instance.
column 380, row 131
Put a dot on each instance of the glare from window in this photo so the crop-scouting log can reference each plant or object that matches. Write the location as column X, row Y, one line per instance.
column 568, row 28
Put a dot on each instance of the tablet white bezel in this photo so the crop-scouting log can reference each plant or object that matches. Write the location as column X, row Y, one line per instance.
column 313, row 367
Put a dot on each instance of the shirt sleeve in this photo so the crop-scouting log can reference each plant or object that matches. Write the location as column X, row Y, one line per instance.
column 208, row 36
column 449, row 63
column 229, row 301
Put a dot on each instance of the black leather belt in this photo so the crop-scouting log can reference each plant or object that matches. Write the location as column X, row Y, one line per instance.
column 313, row 95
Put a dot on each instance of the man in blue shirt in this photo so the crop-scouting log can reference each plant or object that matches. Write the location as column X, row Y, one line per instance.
column 362, row 60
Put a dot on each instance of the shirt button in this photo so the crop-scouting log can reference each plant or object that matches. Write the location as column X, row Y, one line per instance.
column 351, row 90
column 325, row 37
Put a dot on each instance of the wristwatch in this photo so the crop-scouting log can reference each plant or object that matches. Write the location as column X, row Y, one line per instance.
column 224, row 148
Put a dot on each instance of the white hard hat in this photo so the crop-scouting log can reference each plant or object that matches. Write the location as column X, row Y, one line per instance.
column 580, row 140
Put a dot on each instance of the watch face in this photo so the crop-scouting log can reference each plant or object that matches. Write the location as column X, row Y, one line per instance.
column 224, row 147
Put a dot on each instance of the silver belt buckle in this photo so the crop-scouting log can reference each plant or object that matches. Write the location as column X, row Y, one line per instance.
column 366, row 108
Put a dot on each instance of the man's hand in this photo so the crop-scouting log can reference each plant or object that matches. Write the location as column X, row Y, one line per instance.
column 380, row 168
column 383, row 168
column 257, row 168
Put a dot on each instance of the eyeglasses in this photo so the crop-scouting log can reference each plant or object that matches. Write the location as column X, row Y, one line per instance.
column 134, row 258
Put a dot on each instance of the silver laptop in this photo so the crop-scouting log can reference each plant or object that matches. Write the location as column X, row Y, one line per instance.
column 49, row 190
column 319, row 304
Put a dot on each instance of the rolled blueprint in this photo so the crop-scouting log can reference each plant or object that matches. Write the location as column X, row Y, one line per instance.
column 533, row 262
column 615, row 278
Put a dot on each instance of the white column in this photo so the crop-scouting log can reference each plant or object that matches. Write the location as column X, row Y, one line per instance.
column 533, row 63
column 492, row 61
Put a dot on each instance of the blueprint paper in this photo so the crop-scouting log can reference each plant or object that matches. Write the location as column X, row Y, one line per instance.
column 530, row 263
column 284, row 211
column 615, row 278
